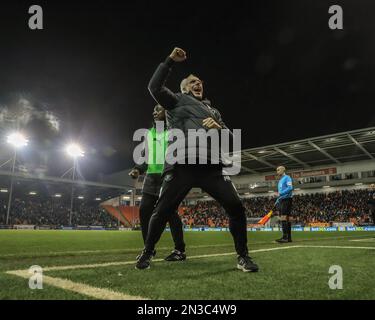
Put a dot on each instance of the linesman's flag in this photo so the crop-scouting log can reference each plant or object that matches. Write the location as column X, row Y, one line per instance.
column 265, row 218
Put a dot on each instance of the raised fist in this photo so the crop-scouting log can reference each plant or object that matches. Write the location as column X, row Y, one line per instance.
column 178, row 55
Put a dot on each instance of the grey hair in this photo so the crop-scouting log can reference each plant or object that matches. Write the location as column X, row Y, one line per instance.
column 184, row 83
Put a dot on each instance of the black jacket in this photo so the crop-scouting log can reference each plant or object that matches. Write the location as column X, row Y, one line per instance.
column 152, row 181
column 183, row 111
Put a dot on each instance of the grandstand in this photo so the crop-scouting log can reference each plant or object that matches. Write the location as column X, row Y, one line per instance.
column 324, row 169
column 45, row 202
column 330, row 164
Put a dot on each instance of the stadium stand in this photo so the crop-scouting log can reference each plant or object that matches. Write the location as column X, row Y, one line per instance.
column 117, row 214
column 330, row 176
column 339, row 206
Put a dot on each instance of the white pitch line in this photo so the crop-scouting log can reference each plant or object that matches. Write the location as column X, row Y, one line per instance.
column 81, row 288
column 122, row 263
column 58, row 253
column 364, row 240
column 337, row 247
column 232, row 253
column 105, row 294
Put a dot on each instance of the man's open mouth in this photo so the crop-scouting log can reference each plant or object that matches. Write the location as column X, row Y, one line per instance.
column 197, row 90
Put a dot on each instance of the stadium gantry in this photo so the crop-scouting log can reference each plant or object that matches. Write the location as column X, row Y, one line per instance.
column 304, row 154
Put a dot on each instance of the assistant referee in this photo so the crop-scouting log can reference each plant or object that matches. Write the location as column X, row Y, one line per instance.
column 284, row 204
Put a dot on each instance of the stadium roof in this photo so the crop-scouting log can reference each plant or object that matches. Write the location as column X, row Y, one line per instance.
column 330, row 149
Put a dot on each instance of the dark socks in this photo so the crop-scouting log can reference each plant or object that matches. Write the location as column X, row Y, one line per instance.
column 284, row 228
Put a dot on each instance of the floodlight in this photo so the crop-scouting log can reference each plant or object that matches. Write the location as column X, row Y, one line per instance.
column 74, row 150
column 17, row 140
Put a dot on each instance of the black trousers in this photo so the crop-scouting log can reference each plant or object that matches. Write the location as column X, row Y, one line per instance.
column 145, row 211
column 177, row 184
column 285, row 206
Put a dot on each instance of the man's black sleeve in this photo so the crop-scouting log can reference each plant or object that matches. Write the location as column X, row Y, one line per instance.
column 142, row 168
column 162, row 95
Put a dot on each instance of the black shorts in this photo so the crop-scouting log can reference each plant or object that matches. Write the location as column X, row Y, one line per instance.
column 285, row 206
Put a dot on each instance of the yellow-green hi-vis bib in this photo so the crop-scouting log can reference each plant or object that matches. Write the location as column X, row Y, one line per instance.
column 157, row 143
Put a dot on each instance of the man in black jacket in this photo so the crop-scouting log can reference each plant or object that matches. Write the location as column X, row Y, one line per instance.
column 151, row 187
column 371, row 202
column 186, row 111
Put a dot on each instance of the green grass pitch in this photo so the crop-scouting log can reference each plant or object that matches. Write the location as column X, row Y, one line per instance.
column 209, row 272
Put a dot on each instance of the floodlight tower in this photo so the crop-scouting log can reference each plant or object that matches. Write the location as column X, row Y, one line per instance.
column 17, row 140
column 74, row 151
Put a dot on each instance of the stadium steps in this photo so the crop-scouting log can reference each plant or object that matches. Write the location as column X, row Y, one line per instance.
column 116, row 213
column 130, row 213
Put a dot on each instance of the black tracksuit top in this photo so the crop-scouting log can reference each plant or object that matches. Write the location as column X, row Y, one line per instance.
column 183, row 111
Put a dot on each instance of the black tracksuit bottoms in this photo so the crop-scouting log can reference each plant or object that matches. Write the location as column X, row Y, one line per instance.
column 176, row 185
column 145, row 211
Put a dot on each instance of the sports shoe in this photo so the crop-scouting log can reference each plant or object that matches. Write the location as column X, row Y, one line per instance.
column 246, row 264
column 144, row 260
column 176, row 256
column 153, row 255
column 283, row 240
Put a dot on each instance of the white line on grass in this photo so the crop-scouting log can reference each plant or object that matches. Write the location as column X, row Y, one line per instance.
column 122, row 263
column 57, row 253
column 105, row 251
column 364, row 240
column 100, row 293
column 105, row 294
column 81, row 288
column 336, row 247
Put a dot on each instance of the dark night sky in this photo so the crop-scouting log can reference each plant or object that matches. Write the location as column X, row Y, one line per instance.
column 273, row 69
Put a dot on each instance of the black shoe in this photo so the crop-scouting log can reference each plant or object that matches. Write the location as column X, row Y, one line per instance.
column 176, row 256
column 283, row 240
column 144, row 260
column 153, row 255
column 246, row 264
